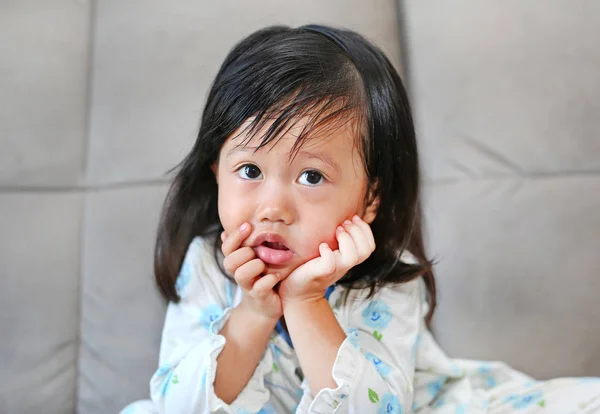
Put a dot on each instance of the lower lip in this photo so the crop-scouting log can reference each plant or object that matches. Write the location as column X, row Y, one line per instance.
column 273, row 256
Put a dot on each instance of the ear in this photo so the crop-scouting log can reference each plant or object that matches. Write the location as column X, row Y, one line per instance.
column 215, row 169
column 371, row 209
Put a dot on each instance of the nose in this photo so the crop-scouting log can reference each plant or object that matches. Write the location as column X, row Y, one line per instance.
column 275, row 204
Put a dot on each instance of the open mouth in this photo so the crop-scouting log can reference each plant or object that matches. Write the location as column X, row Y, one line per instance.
column 271, row 249
column 275, row 246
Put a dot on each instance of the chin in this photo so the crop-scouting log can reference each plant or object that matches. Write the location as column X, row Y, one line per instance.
column 284, row 271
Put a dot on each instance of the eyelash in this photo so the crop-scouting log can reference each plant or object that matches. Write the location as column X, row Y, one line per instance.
column 242, row 168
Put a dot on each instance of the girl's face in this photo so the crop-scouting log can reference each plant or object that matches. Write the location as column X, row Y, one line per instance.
column 293, row 203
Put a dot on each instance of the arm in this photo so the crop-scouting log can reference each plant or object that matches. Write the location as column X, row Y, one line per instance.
column 314, row 329
column 373, row 368
column 192, row 341
column 246, row 337
column 317, row 336
column 249, row 327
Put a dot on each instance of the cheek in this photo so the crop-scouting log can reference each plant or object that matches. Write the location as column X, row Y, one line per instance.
column 232, row 209
column 323, row 221
column 320, row 231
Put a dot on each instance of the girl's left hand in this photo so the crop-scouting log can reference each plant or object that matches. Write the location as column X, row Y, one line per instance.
column 310, row 280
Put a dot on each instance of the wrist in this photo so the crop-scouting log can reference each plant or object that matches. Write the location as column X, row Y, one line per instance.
column 304, row 303
column 255, row 315
column 287, row 297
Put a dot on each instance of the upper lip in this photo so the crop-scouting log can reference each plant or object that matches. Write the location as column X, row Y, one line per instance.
column 270, row 237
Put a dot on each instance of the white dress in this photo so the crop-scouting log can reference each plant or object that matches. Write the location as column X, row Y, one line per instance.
column 389, row 362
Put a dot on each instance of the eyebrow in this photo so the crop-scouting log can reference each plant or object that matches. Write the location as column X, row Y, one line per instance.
column 321, row 156
column 239, row 148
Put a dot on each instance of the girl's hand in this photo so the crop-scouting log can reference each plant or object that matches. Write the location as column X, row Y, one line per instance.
column 309, row 281
column 246, row 268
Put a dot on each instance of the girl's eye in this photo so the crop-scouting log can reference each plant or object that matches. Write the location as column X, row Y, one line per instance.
column 249, row 172
column 311, row 177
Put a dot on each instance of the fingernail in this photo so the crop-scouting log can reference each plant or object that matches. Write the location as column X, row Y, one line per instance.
column 340, row 229
column 244, row 227
column 323, row 245
column 346, row 222
column 356, row 218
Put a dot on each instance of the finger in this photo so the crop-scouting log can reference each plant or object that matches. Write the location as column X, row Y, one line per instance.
column 366, row 229
column 327, row 259
column 360, row 240
column 223, row 236
column 265, row 284
column 235, row 239
column 238, row 258
column 246, row 273
column 348, row 254
column 321, row 266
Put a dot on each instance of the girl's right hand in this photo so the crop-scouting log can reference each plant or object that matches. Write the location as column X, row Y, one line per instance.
column 246, row 268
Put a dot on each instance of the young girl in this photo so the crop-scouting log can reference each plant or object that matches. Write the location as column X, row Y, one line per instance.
column 291, row 254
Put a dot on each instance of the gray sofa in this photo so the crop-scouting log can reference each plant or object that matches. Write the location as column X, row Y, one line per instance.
column 99, row 99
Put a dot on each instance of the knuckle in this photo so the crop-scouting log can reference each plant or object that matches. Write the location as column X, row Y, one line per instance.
column 330, row 268
column 352, row 258
column 248, row 252
column 350, row 262
column 260, row 265
column 229, row 269
column 239, row 275
column 259, row 293
column 226, row 247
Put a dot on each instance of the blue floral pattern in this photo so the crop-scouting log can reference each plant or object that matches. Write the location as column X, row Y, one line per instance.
column 487, row 375
column 166, row 383
column 267, row 409
column 461, row 409
column 352, row 334
column 210, row 314
column 275, row 350
column 184, row 278
column 434, row 388
column 381, row 367
column 377, row 315
column 520, row 402
column 439, row 402
column 165, row 371
column 415, row 345
column 229, row 293
column 390, row 404
column 188, row 354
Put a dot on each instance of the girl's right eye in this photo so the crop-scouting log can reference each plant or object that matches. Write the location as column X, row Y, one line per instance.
column 249, row 172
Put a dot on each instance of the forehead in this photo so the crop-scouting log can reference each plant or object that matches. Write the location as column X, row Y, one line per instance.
column 338, row 135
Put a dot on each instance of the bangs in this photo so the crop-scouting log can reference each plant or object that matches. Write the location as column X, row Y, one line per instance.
column 319, row 119
column 284, row 78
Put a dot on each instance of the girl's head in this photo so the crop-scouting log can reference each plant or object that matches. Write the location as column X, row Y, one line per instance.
column 302, row 129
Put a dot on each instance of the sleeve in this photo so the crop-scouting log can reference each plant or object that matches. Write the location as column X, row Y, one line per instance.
column 375, row 365
column 191, row 343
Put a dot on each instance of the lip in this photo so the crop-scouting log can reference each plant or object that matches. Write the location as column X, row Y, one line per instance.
column 269, row 255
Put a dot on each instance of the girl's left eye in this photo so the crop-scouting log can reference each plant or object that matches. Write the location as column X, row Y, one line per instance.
column 311, row 178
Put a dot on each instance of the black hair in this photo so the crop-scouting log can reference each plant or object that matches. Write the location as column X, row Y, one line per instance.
column 278, row 75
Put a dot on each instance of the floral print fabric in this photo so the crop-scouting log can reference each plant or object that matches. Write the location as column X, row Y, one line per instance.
column 388, row 364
